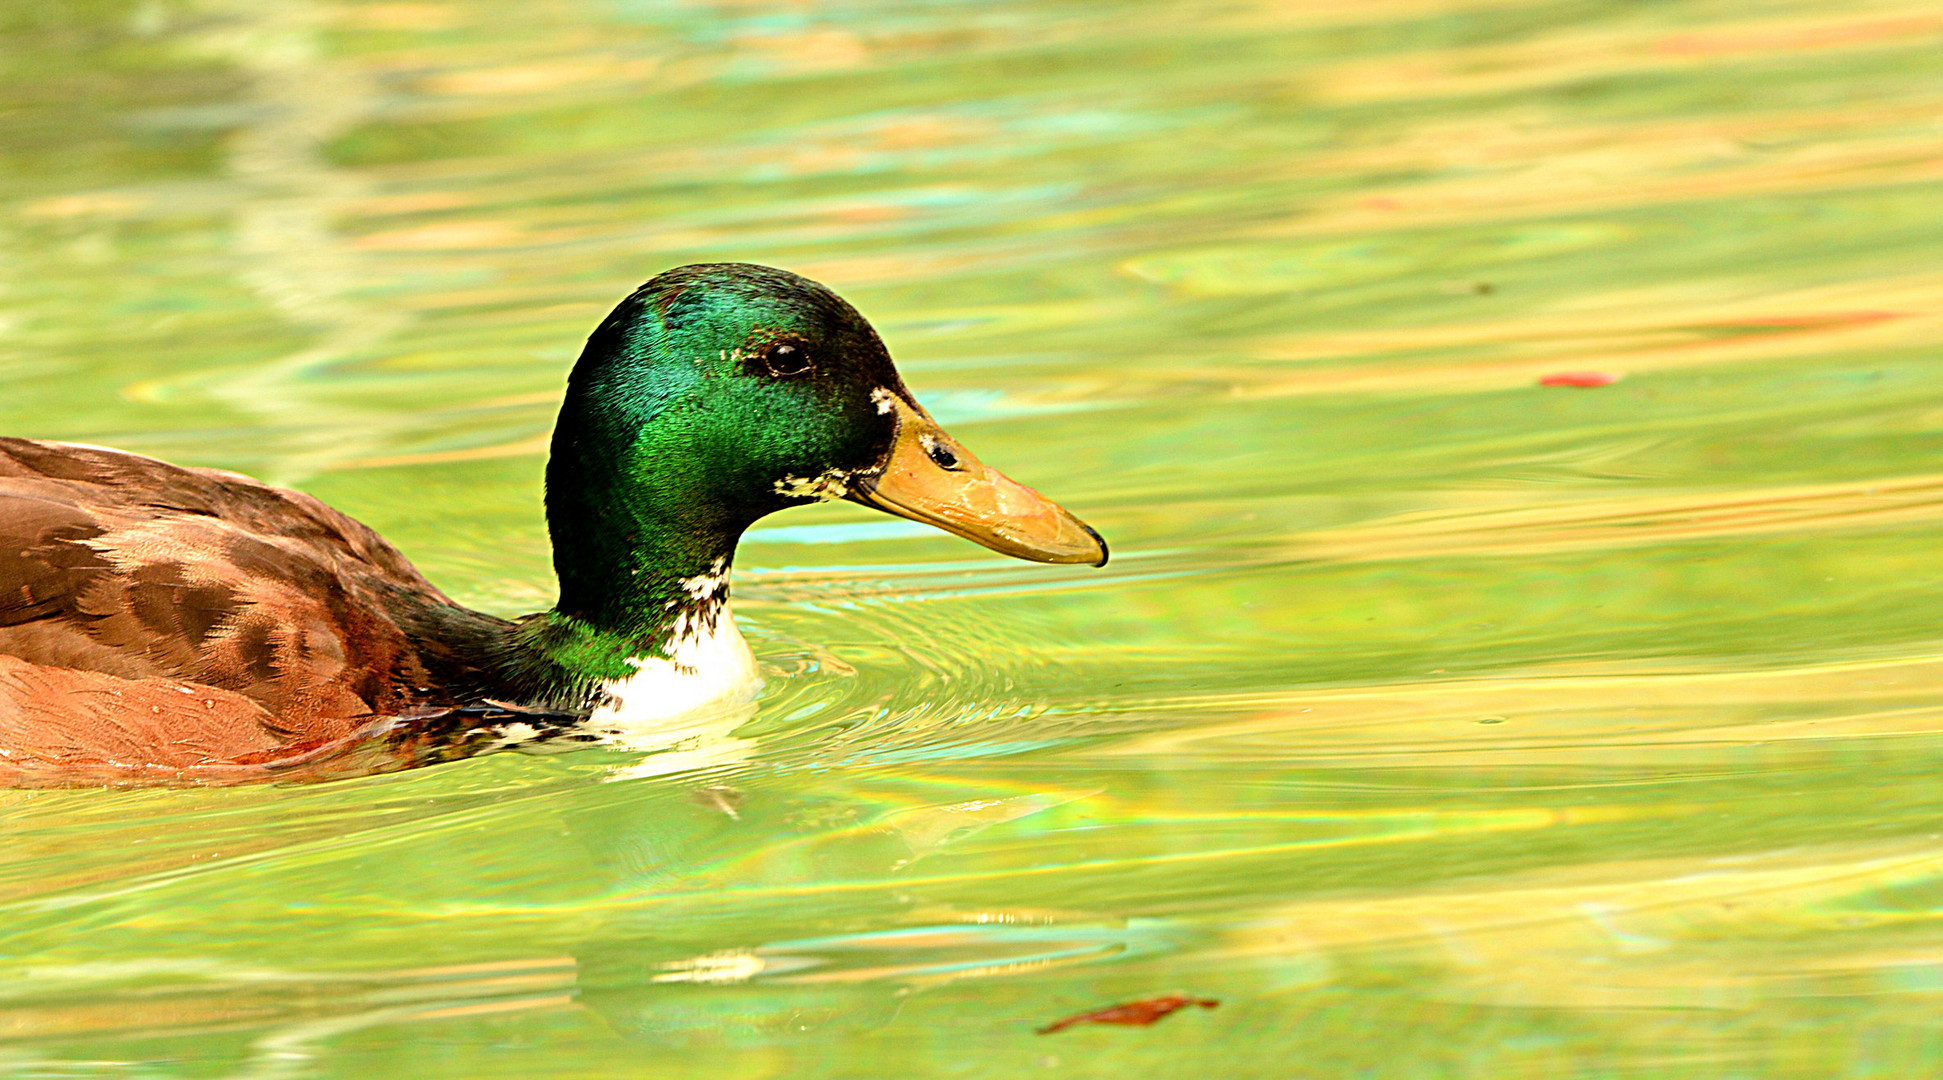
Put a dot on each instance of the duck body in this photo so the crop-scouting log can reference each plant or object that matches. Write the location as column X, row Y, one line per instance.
column 168, row 624
column 157, row 619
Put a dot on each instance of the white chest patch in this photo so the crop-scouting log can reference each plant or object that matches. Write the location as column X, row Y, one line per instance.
column 710, row 673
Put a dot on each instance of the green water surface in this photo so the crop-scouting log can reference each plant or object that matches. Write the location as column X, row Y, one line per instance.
column 1436, row 722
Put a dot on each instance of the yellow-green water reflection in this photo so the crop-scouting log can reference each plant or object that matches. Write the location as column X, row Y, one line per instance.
column 1438, row 723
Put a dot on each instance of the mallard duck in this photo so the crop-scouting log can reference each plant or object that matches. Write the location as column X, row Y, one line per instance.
column 192, row 625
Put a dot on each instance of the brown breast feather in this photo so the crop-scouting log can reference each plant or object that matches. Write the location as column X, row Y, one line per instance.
column 153, row 616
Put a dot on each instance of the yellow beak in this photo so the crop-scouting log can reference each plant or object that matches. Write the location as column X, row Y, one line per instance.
column 929, row 477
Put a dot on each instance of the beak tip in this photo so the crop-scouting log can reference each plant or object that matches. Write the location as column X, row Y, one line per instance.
column 1098, row 539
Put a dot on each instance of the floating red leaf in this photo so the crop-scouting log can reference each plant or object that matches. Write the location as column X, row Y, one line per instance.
column 1132, row 1013
column 1579, row 378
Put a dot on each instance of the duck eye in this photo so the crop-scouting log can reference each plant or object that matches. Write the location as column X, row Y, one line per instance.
column 785, row 358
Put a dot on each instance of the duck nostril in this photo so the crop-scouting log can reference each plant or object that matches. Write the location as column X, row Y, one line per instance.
column 940, row 453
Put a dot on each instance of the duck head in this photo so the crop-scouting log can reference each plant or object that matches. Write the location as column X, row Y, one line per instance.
column 719, row 393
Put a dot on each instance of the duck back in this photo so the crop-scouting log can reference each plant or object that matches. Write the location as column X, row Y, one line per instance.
column 160, row 620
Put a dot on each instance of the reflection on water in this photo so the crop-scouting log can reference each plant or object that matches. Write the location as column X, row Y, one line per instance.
column 1437, row 722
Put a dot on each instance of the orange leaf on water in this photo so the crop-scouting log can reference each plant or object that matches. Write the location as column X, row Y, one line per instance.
column 1132, row 1013
column 1579, row 378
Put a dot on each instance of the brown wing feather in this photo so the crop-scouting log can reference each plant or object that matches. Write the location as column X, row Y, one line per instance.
column 197, row 613
column 60, row 719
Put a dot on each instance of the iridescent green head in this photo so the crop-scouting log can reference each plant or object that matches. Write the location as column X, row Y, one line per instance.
column 718, row 393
